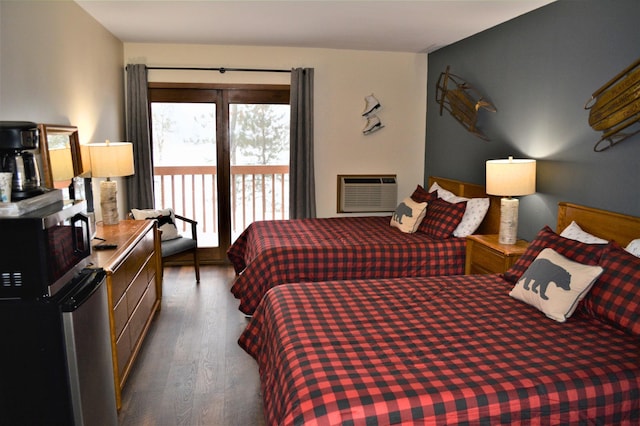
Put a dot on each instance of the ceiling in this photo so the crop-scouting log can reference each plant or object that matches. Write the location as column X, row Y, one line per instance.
column 402, row 26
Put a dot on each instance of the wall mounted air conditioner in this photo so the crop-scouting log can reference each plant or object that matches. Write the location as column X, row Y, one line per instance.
column 367, row 193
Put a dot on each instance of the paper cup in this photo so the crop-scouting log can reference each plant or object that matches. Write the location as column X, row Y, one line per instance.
column 5, row 187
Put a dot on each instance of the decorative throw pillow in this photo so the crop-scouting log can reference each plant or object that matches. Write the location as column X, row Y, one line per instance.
column 474, row 214
column 574, row 232
column 615, row 297
column 442, row 218
column 588, row 254
column 408, row 215
column 554, row 284
column 634, row 247
column 166, row 221
column 420, row 195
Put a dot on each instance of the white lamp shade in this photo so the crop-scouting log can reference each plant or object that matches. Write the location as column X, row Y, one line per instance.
column 511, row 177
column 111, row 159
column 61, row 164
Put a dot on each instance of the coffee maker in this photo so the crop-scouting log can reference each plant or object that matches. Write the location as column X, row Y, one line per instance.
column 18, row 155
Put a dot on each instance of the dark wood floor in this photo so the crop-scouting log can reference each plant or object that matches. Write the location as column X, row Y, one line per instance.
column 191, row 370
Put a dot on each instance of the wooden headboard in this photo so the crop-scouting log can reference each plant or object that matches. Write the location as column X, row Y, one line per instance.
column 601, row 223
column 491, row 222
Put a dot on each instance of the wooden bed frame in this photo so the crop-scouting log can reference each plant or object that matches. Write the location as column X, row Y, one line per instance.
column 601, row 223
column 491, row 222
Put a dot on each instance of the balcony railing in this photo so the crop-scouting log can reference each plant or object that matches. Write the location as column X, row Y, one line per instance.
column 257, row 193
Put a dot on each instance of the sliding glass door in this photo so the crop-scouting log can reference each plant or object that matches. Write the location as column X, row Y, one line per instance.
column 259, row 155
column 221, row 156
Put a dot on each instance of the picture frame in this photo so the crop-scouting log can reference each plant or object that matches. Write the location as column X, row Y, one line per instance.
column 64, row 140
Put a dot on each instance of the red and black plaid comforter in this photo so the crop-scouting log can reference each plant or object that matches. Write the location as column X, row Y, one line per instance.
column 440, row 350
column 269, row 253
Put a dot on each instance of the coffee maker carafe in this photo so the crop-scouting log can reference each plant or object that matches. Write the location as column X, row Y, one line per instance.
column 18, row 145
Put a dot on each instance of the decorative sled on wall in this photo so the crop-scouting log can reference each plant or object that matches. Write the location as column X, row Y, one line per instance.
column 462, row 101
column 616, row 107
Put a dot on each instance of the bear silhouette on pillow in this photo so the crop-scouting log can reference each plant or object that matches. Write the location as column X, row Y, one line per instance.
column 541, row 273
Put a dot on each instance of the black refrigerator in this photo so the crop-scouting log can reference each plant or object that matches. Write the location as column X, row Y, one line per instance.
column 55, row 358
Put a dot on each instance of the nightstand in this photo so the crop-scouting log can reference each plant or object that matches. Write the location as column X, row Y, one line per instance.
column 485, row 255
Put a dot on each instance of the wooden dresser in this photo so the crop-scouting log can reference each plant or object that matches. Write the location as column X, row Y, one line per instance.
column 134, row 286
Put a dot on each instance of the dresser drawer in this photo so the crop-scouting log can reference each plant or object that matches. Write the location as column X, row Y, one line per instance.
column 120, row 316
column 478, row 269
column 120, row 280
column 489, row 259
column 124, row 347
column 151, row 268
column 136, row 290
column 142, row 251
column 141, row 313
column 131, row 266
column 486, row 255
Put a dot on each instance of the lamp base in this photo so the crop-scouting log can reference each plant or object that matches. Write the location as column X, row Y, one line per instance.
column 508, row 221
column 109, row 202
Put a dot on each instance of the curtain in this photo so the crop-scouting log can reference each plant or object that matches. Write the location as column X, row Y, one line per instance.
column 140, row 185
column 302, row 191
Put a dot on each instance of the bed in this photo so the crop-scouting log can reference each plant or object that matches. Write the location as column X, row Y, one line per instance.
column 270, row 253
column 456, row 349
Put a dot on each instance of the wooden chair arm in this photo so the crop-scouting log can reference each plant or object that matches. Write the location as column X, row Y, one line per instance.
column 193, row 223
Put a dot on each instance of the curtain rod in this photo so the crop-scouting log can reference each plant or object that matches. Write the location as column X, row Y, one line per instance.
column 222, row 70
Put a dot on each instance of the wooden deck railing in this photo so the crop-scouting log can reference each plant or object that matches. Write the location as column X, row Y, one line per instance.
column 257, row 193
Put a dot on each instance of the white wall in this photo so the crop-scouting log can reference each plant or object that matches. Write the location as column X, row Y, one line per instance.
column 342, row 79
column 69, row 70
column 59, row 66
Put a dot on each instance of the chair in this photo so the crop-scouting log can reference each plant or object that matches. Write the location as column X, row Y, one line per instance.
column 167, row 224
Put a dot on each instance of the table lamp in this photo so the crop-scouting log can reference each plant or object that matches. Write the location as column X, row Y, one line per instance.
column 509, row 178
column 110, row 159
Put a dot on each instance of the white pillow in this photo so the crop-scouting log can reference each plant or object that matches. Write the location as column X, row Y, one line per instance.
column 634, row 247
column 574, row 232
column 408, row 215
column 474, row 214
column 554, row 284
column 442, row 193
column 166, row 221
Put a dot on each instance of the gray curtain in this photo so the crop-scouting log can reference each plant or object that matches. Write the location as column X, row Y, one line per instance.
column 302, row 191
column 140, row 185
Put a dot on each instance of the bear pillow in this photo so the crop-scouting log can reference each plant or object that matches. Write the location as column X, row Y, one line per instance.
column 408, row 215
column 554, row 284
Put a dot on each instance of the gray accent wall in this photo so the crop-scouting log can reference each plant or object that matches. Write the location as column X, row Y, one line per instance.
column 539, row 70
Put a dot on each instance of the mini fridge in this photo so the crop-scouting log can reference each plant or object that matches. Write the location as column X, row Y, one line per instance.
column 56, row 361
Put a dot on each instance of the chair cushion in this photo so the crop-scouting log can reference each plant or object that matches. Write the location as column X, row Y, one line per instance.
column 177, row 245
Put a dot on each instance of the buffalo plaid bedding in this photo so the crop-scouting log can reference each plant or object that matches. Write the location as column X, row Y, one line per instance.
column 269, row 253
column 439, row 350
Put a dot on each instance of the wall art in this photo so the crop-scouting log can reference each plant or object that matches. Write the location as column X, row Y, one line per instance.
column 462, row 101
column 614, row 109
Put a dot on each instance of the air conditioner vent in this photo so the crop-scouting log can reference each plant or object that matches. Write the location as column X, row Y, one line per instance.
column 367, row 193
